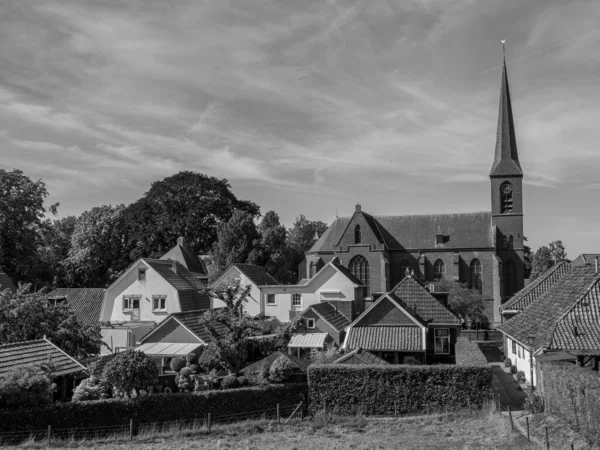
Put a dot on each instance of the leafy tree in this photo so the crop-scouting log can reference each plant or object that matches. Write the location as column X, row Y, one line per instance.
column 91, row 389
column 528, row 259
column 26, row 316
column 557, row 249
column 22, row 220
column 235, row 240
column 185, row 204
column 270, row 249
column 542, row 261
column 467, row 302
column 327, row 356
column 230, row 326
column 210, row 358
column 281, row 370
column 26, row 387
column 56, row 239
column 301, row 239
column 131, row 371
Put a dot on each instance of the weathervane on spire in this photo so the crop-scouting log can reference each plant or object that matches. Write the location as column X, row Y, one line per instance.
column 503, row 51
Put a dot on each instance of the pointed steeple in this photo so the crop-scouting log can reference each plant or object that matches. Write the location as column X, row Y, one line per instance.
column 506, row 159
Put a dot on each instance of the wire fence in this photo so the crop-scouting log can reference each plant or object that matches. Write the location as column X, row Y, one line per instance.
column 203, row 422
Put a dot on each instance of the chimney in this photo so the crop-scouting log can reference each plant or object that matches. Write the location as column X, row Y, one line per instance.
column 174, row 266
column 358, row 208
column 181, row 240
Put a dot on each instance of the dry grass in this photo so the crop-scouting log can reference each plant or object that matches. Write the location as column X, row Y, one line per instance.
column 463, row 430
column 560, row 434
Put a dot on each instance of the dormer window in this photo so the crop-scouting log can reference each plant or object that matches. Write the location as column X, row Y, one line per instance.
column 506, row 198
column 142, row 274
column 357, row 235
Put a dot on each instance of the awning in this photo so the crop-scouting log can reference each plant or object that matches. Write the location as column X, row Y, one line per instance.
column 555, row 356
column 308, row 340
column 167, row 349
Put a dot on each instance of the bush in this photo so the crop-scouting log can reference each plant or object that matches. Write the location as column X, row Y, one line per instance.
column 210, row 359
column 191, row 358
column 91, row 389
column 371, row 389
column 153, row 408
column 468, row 353
column 130, row 371
column 513, row 369
column 534, row 403
column 521, row 378
column 507, row 362
column 26, row 387
column 229, row 382
column 327, row 356
column 281, row 370
column 242, row 381
column 178, row 363
column 260, row 378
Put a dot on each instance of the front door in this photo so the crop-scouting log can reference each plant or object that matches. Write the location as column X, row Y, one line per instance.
column 135, row 309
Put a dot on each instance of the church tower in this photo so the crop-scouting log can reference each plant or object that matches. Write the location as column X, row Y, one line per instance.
column 506, row 178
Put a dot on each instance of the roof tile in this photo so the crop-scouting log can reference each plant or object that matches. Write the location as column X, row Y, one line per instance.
column 41, row 352
column 385, row 338
column 85, row 302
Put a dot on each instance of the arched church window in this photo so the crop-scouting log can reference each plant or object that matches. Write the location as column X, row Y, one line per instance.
column 476, row 275
column 511, row 243
column 509, row 278
column 357, row 235
column 504, row 242
column 311, row 272
column 439, row 270
column 359, row 266
column 405, row 268
column 506, row 197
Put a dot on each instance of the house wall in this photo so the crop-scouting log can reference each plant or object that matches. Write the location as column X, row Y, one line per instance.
column 321, row 326
column 432, row 357
column 173, row 332
column 385, row 313
column 129, row 284
column 123, row 337
column 252, row 306
column 520, row 358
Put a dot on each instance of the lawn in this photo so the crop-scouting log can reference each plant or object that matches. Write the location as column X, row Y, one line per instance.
column 463, row 430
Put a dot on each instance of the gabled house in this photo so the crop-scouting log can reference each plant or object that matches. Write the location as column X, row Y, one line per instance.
column 7, row 283
column 406, row 325
column 358, row 356
column 183, row 254
column 85, row 302
column 560, row 324
column 144, row 295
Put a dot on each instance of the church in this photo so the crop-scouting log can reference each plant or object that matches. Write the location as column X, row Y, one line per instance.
column 483, row 249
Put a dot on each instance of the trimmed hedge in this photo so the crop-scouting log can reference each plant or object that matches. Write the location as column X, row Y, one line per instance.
column 468, row 353
column 572, row 394
column 374, row 389
column 153, row 408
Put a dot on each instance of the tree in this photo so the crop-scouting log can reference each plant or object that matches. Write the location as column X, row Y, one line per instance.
column 91, row 389
column 528, row 258
column 542, row 261
column 230, row 326
column 26, row 316
column 185, row 204
column 557, row 249
column 56, row 243
column 301, row 238
column 281, row 370
column 22, row 219
column 235, row 240
column 131, row 371
column 467, row 302
column 26, row 387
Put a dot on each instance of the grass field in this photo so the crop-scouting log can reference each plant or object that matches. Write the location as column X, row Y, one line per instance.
column 464, row 430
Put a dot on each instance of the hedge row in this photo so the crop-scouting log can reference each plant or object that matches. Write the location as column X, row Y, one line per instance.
column 402, row 389
column 468, row 353
column 153, row 408
column 572, row 394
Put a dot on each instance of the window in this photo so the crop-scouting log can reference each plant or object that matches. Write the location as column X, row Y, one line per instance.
column 514, row 347
column 504, row 242
column 442, row 341
column 296, row 300
column 359, row 266
column 141, row 274
column 511, row 243
column 357, row 235
column 270, row 299
column 310, row 323
column 130, row 303
column 506, row 198
column 165, row 366
column 311, row 272
column 405, row 269
column 159, row 302
column 519, row 350
column 476, row 274
column 439, row 270
column 509, row 278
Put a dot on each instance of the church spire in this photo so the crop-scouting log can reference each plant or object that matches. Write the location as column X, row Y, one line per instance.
column 506, row 159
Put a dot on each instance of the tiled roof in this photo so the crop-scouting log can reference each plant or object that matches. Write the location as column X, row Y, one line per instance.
column 385, row 338
column 585, row 258
column 537, row 287
column 421, row 302
column 360, row 356
column 184, row 254
column 256, row 274
column 6, row 283
column 42, row 352
column 331, row 315
column 301, row 364
column 85, row 302
column 555, row 312
column 191, row 320
column 465, row 230
column 97, row 364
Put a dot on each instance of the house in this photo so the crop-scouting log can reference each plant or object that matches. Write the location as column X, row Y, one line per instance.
column 7, row 283
column 406, row 325
column 560, row 323
column 183, row 254
column 358, row 356
column 85, row 302
column 333, row 282
column 300, row 364
column 144, row 295
column 65, row 370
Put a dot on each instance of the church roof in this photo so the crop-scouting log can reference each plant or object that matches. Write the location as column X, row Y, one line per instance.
column 506, row 158
column 464, row 230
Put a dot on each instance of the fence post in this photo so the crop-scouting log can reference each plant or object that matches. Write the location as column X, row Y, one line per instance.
column 278, row 416
column 49, row 433
column 208, row 422
column 547, row 440
column 130, row 429
column 527, row 421
column 512, row 425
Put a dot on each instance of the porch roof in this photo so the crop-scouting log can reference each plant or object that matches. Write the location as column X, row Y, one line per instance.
column 167, row 349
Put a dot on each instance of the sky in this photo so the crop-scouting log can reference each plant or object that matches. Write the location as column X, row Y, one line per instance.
column 308, row 107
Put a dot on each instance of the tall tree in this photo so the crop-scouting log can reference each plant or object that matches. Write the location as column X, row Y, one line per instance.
column 557, row 249
column 22, row 219
column 55, row 249
column 185, row 204
column 467, row 302
column 301, row 238
column 528, row 258
column 542, row 261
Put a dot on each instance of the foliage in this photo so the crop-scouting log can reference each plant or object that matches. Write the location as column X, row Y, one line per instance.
column 281, row 370
column 230, row 326
column 542, row 261
column 209, row 358
column 520, row 377
column 572, row 394
column 91, row 389
column 534, row 403
column 229, row 382
column 327, row 356
column 259, row 378
column 26, row 387
column 22, row 223
column 154, row 408
column 191, row 358
column 513, row 369
column 507, row 362
column 207, row 381
column 468, row 353
column 557, row 250
column 527, row 258
column 188, row 373
column 301, row 239
column 56, row 243
column 178, row 363
column 373, row 389
column 26, row 316
column 131, row 371
column 242, row 381
column 466, row 302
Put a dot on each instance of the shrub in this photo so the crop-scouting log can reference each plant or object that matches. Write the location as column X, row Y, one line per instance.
column 129, row 371
column 191, row 358
column 468, row 353
column 513, row 369
column 507, row 362
column 26, row 387
column 375, row 389
column 281, row 370
column 178, row 363
column 260, row 378
column 242, row 381
column 210, row 359
column 327, row 356
column 534, row 403
column 521, row 378
column 91, row 389
column 229, row 382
